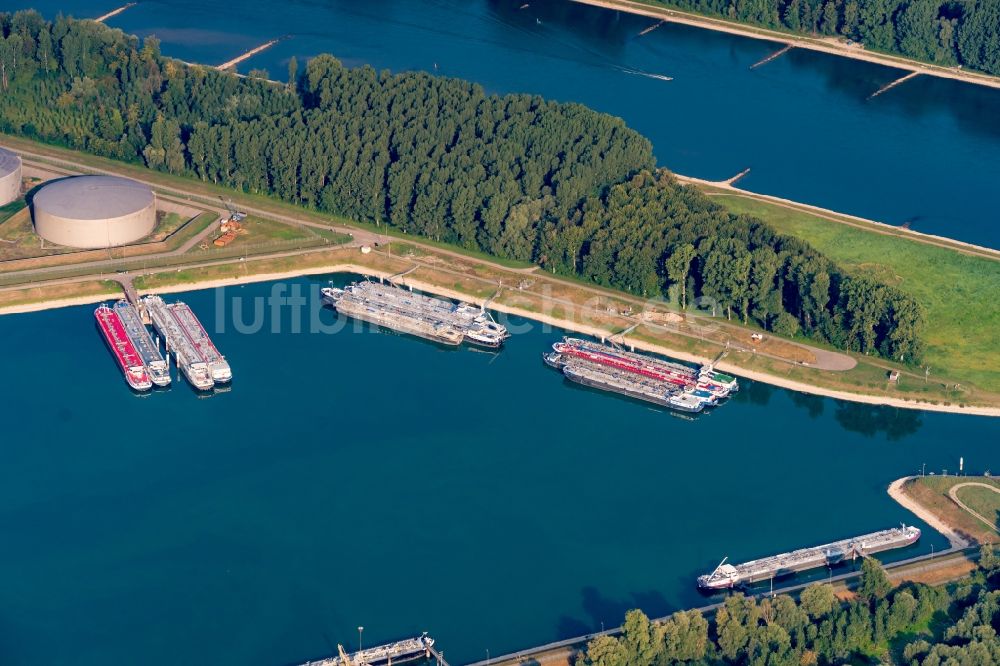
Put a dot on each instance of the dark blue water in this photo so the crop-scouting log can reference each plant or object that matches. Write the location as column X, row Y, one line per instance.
column 366, row 478
column 925, row 153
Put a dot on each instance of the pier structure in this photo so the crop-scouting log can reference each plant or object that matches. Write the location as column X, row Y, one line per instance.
column 411, row 649
column 773, row 56
column 652, row 27
column 892, row 84
column 229, row 64
column 115, row 12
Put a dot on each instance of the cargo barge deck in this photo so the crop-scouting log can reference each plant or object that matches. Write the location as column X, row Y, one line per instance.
column 659, row 381
column 428, row 317
column 729, row 575
column 149, row 351
column 217, row 365
column 421, row 647
column 117, row 339
column 189, row 359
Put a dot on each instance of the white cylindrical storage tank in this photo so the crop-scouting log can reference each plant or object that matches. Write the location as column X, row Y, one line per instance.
column 10, row 177
column 94, row 211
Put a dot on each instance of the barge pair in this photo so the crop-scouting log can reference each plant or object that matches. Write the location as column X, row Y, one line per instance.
column 139, row 356
column 196, row 354
column 659, row 381
column 436, row 319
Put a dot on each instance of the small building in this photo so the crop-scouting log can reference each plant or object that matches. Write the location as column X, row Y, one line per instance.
column 894, row 376
column 94, row 211
column 10, row 176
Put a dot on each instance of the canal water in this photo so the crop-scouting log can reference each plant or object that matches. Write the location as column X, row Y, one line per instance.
column 356, row 477
column 923, row 154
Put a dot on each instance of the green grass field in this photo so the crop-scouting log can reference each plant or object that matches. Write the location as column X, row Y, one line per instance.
column 11, row 208
column 958, row 290
column 983, row 501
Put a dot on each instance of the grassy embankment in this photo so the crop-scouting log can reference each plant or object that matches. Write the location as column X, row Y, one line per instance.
column 957, row 290
column 932, row 493
column 475, row 274
column 91, row 290
column 545, row 298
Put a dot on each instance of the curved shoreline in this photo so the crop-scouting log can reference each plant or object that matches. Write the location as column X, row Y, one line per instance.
column 895, row 491
column 798, row 41
column 346, row 267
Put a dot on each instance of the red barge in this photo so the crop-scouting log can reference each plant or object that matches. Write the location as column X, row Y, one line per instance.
column 121, row 346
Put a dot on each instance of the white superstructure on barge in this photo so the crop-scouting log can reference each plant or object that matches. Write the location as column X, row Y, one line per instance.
column 730, row 575
column 429, row 317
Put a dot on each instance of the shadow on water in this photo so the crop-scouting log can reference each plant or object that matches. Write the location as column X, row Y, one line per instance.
column 600, row 610
column 812, row 404
column 754, row 393
column 871, row 420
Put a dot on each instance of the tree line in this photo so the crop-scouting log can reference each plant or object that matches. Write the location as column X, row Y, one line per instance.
column 514, row 175
column 945, row 32
column 913, row 624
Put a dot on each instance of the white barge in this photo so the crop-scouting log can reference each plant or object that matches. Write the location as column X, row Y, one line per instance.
column 731, row 575
column 436, row 319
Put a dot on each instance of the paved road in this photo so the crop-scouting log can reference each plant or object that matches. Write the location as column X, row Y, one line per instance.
column 953, row 494
column 570, row 646
column 825, row 360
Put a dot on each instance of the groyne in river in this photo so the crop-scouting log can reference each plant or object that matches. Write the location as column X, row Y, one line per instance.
column 923, row 153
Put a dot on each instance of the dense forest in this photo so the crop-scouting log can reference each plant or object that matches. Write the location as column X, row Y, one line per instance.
column 515, row 176
column 945, row 32
column 913, row 624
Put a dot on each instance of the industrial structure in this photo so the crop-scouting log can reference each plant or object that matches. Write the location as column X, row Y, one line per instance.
column 94, row 211
column 10, row 177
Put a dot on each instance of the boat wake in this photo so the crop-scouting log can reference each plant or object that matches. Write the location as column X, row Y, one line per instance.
column 659, row 77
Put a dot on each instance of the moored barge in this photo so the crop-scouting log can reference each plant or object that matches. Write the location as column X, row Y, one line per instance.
column 436, row 319
column 117, row 339
column 732, row 575
column 149, row 351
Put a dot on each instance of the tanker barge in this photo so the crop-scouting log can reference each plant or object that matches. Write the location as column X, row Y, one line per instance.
column 189, row 360
column 655, row 380
column 121, row 346
column 218, row 366
column 629, row 384
column 705, row 378
column 729, row 575
column 435, row 319
column 149, row 351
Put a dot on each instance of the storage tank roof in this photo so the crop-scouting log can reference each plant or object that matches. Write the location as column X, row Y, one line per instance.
column 93, row 197
column 8, row 162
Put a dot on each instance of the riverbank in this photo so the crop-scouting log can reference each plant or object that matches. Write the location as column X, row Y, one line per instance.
column 827, row 45
column 934, row 499
column 189, row 283
column 698, row 337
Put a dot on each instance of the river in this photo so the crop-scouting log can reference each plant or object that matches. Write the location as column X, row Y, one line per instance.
column 364, row 478
column 354, row 477
column 923, row 154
